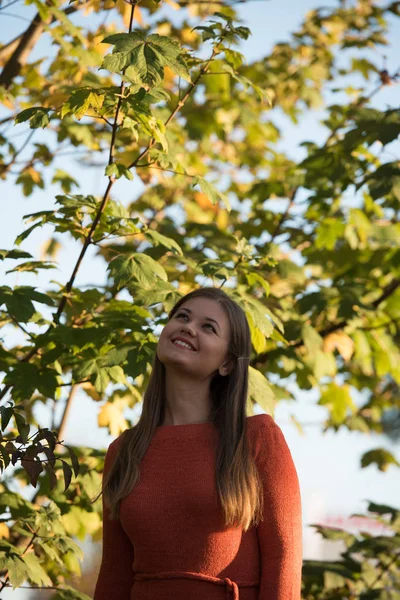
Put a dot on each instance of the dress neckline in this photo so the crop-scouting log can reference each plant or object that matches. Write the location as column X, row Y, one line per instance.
column 184, row 430
column 185, row 424
column 189, row 429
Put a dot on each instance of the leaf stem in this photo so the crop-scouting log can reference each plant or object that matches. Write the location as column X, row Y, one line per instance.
column 177, row 107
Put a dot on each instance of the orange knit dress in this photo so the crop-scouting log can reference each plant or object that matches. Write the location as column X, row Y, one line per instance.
column 170, row 542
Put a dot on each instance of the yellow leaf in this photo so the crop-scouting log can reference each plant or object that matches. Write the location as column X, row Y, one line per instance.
column 173, row 4
column 203, row 201
column 222, row 219
column 185, row 288
column 55, row 100
column 4, row 531
column 342, row 342
column 164, row 29
column 110, row 415
column 257, row 337
column 34, row 174
column 260, row 391
column 91, row 391
column 188, row 35
column 49, row 249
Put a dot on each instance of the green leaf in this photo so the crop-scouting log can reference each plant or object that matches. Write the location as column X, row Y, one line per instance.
column 4, row 458
column 22, row 426
column 364, row 66
column 6, row 413
column 65, row 180
column 33, row 468
column 145, row 57
column 36, row 572
column 139, row 266
column 158, row 239
column 17, row 570
column 27, row 377
column 334, row 534
column 74, row 461
column 67, row 474
column 381, row 457
column 256, row 279
column 328, row 232
column 363, row 353
column 211, row 192
column 29, row 178
column 80, row 101
column 117, row 170
column 117, row 374
column 37, row 117
column 32, row 266
column 338, row 400
column 312, row 340
column 69, row 593
column 322, row 363
column 22, row 236
column 383, row 509
column 260, row 391
column 15, row 253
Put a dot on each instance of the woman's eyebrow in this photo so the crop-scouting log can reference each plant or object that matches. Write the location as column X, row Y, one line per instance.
column 206, row 318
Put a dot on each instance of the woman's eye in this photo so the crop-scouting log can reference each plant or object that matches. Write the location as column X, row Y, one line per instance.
column 185, row 315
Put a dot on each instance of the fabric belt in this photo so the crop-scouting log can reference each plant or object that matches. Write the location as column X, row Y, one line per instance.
column 232, row 587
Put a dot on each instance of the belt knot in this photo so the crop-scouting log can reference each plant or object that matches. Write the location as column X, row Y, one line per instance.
column 232, row 590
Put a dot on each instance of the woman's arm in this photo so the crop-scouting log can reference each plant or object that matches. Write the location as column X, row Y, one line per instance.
column 116, row 574
column 280, row 532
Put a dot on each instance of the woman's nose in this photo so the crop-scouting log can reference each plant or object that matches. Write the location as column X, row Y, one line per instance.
column 189, row 329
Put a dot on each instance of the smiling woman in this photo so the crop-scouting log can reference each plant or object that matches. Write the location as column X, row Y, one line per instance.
column 194, row 348
column 199, row 499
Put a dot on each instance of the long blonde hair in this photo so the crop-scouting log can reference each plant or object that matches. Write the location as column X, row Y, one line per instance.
column 237, row 479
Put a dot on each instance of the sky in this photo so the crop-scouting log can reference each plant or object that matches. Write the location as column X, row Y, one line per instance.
column 332, row 483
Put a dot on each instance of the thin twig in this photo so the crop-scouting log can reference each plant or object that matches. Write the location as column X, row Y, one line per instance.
column 5, row 168
column 88, row 239
column 18, row 324
column 177, row 107
column 389, row 289
column 8, row 5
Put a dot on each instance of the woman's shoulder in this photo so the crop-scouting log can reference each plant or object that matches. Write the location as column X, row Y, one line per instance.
column 264, row 434
column 261, row 420
column 260, row 423
column 113, row 447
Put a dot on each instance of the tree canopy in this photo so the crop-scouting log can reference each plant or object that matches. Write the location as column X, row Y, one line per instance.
column 309, row 248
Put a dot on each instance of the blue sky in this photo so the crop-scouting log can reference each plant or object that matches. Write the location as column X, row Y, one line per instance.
column 328, row 464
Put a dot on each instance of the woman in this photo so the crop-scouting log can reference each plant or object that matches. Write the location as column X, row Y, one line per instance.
column 200, row 502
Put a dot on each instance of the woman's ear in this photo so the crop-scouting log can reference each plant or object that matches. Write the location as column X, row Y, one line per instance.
column 226, row 367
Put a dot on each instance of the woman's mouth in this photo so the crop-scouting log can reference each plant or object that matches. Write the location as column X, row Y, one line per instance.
column 183, row 345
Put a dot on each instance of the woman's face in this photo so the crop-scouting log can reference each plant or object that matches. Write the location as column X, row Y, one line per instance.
column 204, row 324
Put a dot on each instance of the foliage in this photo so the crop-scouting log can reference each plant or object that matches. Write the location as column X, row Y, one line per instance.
column 175, row 108
column 370, row 565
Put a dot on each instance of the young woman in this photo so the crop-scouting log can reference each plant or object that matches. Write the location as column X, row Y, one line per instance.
column 201, row 502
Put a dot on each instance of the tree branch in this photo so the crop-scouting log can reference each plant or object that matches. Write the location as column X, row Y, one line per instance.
column 389, row 289
column 177, row 108
column 88, row 239
column 7, row 167
column 283, row 216
column 21, row 46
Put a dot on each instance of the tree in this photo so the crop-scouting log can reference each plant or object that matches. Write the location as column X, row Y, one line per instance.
column 175, row 105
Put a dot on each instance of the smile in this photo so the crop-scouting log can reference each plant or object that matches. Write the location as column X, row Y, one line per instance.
column 183, row 345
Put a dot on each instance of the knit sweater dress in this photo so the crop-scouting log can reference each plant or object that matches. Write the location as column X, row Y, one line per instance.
column 170, row 542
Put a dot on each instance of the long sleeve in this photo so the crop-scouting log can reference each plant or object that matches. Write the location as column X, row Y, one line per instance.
column 116, row 576
column 280, row 531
